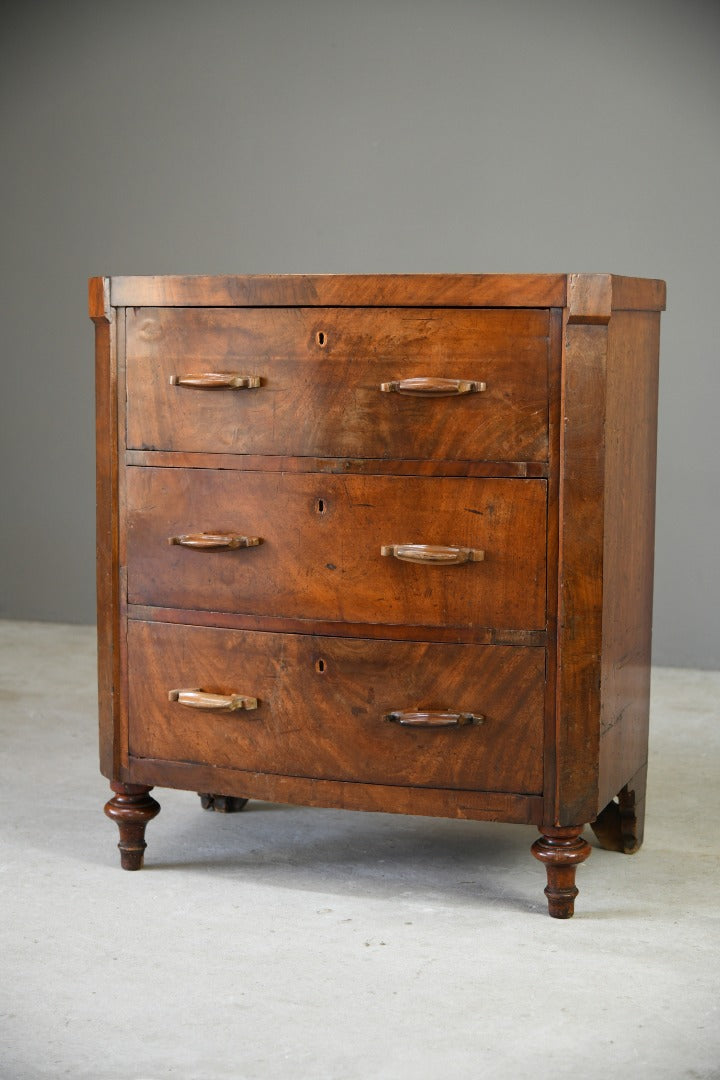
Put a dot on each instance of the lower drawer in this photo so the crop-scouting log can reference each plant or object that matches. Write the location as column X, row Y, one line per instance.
column 329, row 708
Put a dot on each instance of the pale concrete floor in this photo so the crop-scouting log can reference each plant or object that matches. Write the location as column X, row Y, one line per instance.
column 285, row 942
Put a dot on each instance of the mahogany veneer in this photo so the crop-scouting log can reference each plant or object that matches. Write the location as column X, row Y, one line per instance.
column 381, row 543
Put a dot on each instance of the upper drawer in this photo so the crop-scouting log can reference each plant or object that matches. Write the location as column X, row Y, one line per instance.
column 324, row 546
column 320, row 373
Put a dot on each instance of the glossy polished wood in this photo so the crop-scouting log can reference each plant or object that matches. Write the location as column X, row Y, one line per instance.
column 320, row 555
column 323, row 702
column 386, row 290
column 629, row 513
column 561, row 851
column 341, row 466
column 341, row 290
column 607, row 489
column 343, row 795
column 527, row 435
column 328, row 399
column 131, row 808
column 580, row 578
column 459, row 635
column 107, row 527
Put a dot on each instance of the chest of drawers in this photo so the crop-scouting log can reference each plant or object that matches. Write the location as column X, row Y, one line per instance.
column 380, row 543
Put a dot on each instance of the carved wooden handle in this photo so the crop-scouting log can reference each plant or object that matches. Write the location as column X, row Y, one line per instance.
column 434, row 554
column 213, row 380
column 417, row 718
column 199, row 699
column 214, row 541
column 433, row 387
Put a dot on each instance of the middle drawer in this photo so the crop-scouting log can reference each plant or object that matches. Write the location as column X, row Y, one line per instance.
column 431, row 551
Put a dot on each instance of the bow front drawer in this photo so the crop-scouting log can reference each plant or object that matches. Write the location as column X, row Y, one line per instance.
column 386, row 712
column 334, row 382
column 431, row 551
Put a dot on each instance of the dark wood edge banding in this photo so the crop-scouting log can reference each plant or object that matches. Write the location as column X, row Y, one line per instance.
column 166, row 459
column 551, row 584
column 433, row 802
column 580, row 574
column 448, row 635
column 99, row 298
column 349, row 290
column 107, row 517
column 590, row 297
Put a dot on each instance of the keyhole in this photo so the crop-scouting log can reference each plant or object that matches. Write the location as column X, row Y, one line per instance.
column 321, row 338
column 320, row 506
column 320, row 666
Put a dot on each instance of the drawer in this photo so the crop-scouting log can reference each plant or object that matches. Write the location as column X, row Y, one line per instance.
column 323, row 703
column 321, row 371
column 321, row 539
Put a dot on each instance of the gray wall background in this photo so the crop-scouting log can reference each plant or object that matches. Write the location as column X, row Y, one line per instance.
column 374, row 136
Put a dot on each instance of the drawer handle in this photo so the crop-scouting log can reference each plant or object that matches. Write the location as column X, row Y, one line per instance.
column 214, row 541
column 410, row 718
column 431, row 387
column 433, row 554
column 199, row 699
column 213, row 380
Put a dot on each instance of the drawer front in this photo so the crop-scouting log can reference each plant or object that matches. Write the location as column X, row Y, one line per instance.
column 320, row 373
column 321, row 539
column 323, row 703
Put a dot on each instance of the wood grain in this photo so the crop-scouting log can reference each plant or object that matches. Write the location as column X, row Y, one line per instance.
column 99, row 299
column 342, row 290
column 131, row 808
column 322, row 704
column 327, row 400
column 606, row 558
column 376, row 290
column 561, row 850
column 592, row 298
column 345, row 466
column 580, row 577
column 320, row 555
column 629, row 531
column 553, row 527
column 106, row 530
column 534, row 677
column 231, row 620
column 344, row 795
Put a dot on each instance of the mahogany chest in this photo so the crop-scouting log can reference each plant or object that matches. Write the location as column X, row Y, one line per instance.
column 380, row 543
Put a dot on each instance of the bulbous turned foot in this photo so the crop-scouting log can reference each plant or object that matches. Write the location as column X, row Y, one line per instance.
column 222, row 804
column 131, row 808
column 562, row 850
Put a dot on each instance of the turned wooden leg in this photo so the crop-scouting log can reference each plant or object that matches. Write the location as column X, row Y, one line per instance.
column 131, row 808
column 222, row 804
column 620, row 826
column 561, row 849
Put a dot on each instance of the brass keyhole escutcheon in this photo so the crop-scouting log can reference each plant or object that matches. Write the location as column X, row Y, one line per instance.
column 320, row 666
column 320, row 506
column 321, row 338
